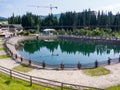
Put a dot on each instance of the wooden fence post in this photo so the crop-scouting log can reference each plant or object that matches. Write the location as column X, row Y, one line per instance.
column 96, row 64
column 21, row 59
column 109, row 60
column 61, row 86
column 62, row 66
column 10, row 73
column 78, row 65
column 15, row 56
column 119, row 58
column 30, row 80
column 43, row 64
column 29, row 62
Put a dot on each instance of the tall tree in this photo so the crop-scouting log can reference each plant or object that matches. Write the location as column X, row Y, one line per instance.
column 50, row 20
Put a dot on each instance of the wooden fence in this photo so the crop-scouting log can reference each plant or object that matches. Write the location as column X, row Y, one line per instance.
column 42, row 81
column 62, row 65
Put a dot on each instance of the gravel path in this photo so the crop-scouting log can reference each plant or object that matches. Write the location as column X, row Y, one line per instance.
column 78, row 77
column 2, row 52
column 8, row 63
column 70, row 76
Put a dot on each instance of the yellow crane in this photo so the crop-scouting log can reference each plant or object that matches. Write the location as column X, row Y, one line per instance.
column 50, row 7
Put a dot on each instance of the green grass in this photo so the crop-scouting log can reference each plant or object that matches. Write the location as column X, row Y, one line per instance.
column 32, row 35
column 26, row 68
column 4, row 56
column 16, row 84
column 91, row 89
column 2, row 49
column 96, row 71
column 5, row 22
column 23, row 68
column 117, row 87
column 1, row 44
column 7, row 83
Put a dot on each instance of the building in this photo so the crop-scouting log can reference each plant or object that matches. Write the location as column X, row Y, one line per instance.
column 11, row 27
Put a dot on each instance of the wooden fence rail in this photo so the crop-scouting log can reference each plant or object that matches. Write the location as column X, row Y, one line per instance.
column 33, row 79
column 62, row 66
column 43, row 81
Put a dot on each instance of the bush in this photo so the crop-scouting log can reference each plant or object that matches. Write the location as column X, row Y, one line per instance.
column 62, row 32
column 24, row 33
column 55, row 32
column 82, row 32
column 96, row 32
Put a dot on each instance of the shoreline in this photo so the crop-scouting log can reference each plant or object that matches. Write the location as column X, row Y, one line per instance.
column 75, row 76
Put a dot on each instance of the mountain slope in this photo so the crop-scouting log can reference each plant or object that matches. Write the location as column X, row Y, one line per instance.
column 3, row 18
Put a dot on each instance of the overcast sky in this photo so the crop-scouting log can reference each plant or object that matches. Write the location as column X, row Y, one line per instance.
column 20, row 7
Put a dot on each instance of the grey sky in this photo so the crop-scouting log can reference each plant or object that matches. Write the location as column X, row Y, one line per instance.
column 20, row 7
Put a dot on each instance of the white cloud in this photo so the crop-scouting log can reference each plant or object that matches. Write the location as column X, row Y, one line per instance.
column 111, row 7
column 115, row 8
column 9, row 6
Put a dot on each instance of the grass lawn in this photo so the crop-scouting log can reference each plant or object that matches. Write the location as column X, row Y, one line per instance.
column 32, row 35
column 23, row 68
column 4, row 56
column 6, row 22
column 1, row 44
column 16, row 84
column 2, row 49
column 117, row 87
column 96, row 71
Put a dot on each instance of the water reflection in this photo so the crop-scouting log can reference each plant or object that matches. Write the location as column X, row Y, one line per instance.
column 69, row 47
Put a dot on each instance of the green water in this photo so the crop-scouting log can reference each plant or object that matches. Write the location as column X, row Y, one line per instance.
column 68, row 52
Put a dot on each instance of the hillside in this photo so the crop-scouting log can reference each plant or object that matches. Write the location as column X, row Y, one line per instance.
column 3, row 19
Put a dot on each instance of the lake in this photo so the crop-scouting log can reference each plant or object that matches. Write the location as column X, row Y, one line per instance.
column 67, row 51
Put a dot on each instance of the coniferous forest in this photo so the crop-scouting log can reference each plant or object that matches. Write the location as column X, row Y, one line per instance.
column 70, row 20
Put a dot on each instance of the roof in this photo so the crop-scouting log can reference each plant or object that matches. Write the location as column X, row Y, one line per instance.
column 47, row 30
column 12, row 25
column 16, row 25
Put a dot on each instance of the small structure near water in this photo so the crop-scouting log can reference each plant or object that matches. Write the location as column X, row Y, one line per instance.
column 49, row 31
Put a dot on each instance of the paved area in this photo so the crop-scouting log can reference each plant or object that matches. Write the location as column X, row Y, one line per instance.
column 2, row 52
column 8, row 63
column 70, row 76
column 78, row 77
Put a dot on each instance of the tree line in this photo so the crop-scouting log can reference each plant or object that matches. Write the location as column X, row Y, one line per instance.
column 69, row 20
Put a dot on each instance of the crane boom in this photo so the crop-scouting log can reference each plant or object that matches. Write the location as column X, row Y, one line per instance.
column 50, row 7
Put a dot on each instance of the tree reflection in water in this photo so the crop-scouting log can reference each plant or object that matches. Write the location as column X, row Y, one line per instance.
column 67, row 51
column 69, row 47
